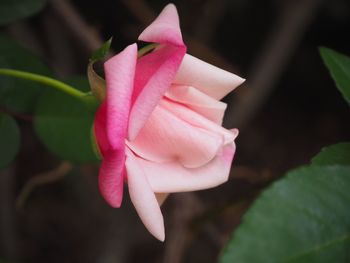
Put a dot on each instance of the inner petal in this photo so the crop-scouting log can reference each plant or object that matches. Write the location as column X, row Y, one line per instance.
column 198, row 101
column 165, row 137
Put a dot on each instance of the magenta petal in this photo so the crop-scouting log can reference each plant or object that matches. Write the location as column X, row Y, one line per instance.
column 120, row 73
column 165, row 29
column 143, row 198
column 154, row 75
column 111, row 177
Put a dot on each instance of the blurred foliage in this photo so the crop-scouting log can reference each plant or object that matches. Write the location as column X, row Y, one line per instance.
column 303, row 217
column 12, row 10
column 64, row 123
column 335, row 154
column 15, row 94
column 9, row 139
column 339, row 67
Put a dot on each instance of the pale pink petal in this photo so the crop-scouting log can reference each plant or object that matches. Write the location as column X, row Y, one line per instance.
column 166, row 137
column 154, row 75
column 197, row 120
column 165, row 29
column 207, row 78
column 198, row 101
column 173, row 177
column 111, row 177
column 143, row 198
column 120, row 73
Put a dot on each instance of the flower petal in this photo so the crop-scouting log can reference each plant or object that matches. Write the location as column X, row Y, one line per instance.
column 198, row 101
column 120, row 73
column 173, row 177
column 143, row 198
column 154, row 75
column 211, row 80
column 165, row 29
column 197, row 120
column 111, row 177
column 166, row 137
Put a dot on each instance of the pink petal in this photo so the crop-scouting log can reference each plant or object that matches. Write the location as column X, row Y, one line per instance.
column 165, row 29
column 154, row 75
column 198, row 101
column 143, row 198
column 197, row 120
column 111, row 177
column 166, row 137
column 120, row 73
column 173, row 177
column 213, row 81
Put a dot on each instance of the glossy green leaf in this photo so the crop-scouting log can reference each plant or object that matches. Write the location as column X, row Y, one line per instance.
column 12, row 10
column 101, row 52
column 304, row 217
column 339, row 67
column 64, row 124
column 9, row 139
column 15, row 94
column 334, row 154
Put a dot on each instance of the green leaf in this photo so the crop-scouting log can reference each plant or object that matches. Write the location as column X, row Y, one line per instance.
column 334, row 154
column 339, row 67
column 9, row 139
column 101, row 52
column 304, row 217
column 15, row 94
column 12, row 10
column 64, row 123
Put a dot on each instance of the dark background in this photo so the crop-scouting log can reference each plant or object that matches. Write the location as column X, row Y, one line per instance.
column 287, row 111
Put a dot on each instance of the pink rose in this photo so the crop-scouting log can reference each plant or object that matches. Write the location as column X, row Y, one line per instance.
column 159, row 128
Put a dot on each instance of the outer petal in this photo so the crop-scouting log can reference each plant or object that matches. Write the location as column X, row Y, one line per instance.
column 173, row 177
column 165, row 137
column 198, row 101
column 143, row 198
column 156, row 71
column 209, row 79
column 120, row 73
column 154, row 75
column 111, row 177
column 165, row 29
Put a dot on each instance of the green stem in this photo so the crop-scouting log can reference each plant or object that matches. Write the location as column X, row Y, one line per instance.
column 56, row 84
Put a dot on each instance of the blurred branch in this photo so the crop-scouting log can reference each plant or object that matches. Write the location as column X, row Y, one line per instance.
column 141, row 10
column 268, row 67
column 85, row 35
column 26, row 35
column 186, row 206
column 45, row 178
